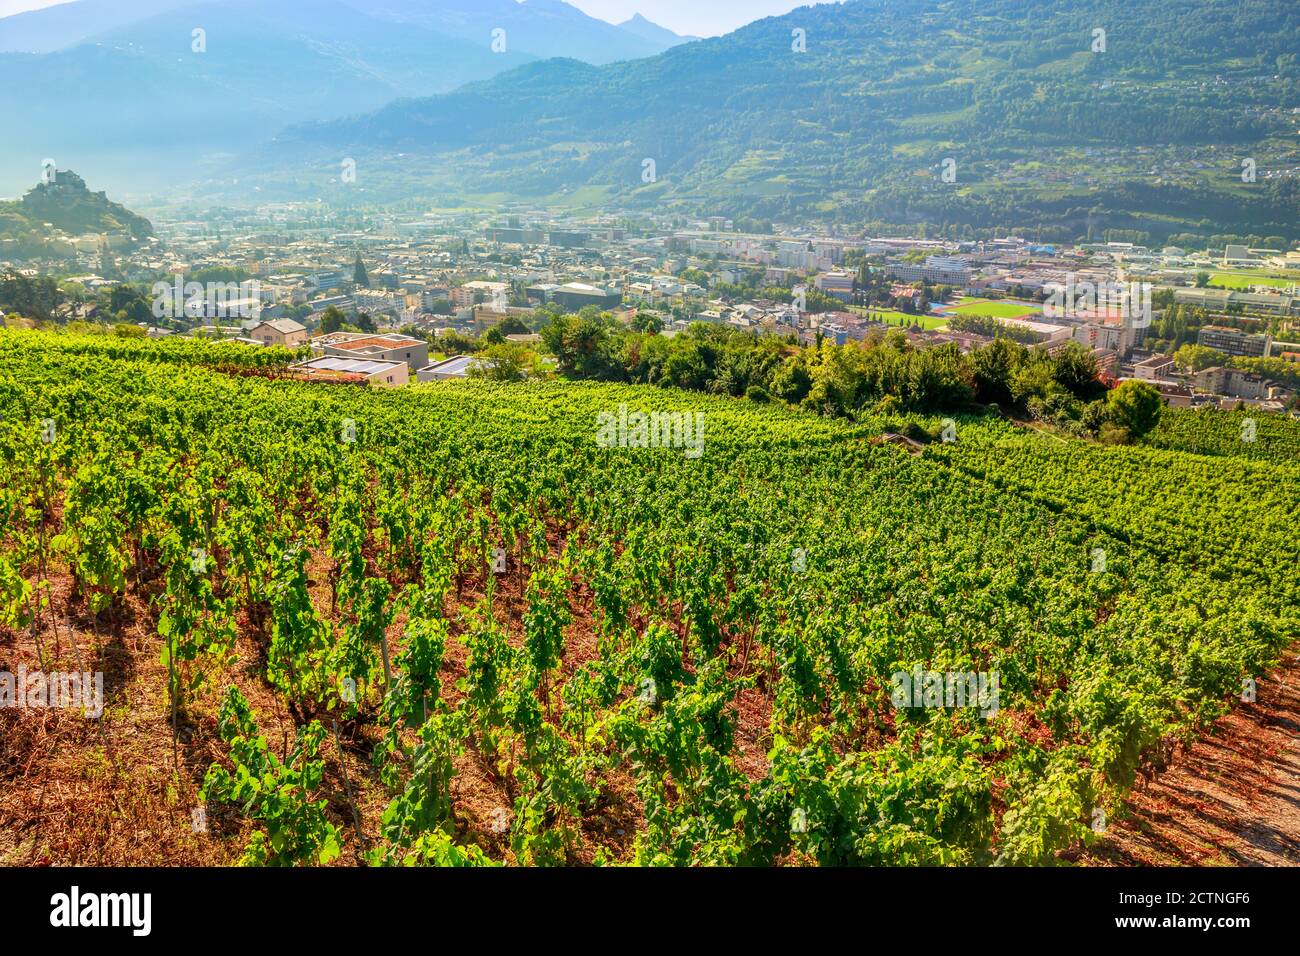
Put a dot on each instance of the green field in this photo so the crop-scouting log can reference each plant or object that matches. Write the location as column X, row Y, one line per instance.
column 997, row 308
column 894, row 317
column 1244, row 280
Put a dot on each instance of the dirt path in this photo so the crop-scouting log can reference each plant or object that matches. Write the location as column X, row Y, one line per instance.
column 1232, row 800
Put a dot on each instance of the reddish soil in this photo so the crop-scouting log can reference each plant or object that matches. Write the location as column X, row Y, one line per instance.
column 1233, row 799
column 110, row 792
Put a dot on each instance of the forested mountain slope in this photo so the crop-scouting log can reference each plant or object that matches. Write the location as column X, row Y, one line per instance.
column 1148, row 132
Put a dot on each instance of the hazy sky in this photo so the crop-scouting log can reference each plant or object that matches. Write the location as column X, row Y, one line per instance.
column 697, row 17
column 18, row 6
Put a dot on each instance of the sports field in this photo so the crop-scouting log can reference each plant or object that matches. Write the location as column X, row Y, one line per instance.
column 1244, row 280
column 894, row 317
column 999, row 308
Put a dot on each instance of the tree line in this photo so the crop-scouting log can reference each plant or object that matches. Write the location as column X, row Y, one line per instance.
column 858, row 378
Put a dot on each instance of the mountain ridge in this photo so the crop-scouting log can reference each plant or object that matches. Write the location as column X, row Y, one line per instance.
column 864, row 121
column 648, row 29
column 63, row 25
column 227, row 74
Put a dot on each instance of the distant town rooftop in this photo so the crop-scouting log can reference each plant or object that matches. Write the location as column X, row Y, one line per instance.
column 336, row 364
column 457, row 366
column 1042, row 328
column 360, row 341
column 284, row 326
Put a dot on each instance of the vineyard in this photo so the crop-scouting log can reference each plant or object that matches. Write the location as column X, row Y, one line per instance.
column 1245, row 434
column 445, row 625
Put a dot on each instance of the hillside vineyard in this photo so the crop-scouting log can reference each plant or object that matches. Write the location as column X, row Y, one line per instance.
column 497, row 640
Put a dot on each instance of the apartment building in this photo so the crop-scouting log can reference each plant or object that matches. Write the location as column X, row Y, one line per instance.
column 935, row 269
column 1234, row 341
column 327, row 279
column 466, row 295
column 1116, row 338
column 369, row 300
column 1043, row 333
column 1236, row 383
column 1273, row 303
column 344, row 303
column 1107, row 361
column 838, row 285
column 1233, row 382
column 1158, row 368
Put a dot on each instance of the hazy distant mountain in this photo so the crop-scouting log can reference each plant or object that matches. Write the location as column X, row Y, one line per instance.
column 653, row 32
column 308, row 57
column 535, row 28
column 53, row 28
column 120, row 92
column 151, row 89
column 544, row 28
column 887, row 96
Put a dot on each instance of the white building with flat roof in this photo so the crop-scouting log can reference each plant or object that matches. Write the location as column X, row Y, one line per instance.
column 456, row 367
column 331, row 368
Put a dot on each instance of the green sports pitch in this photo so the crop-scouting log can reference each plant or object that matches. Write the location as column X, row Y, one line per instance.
column 1001, row 309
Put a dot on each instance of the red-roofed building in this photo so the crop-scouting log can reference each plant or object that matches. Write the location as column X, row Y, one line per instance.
column 391, row 347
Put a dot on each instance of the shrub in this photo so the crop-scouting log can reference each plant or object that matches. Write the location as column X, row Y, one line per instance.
column 1134, row 406
column 1112, row 434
